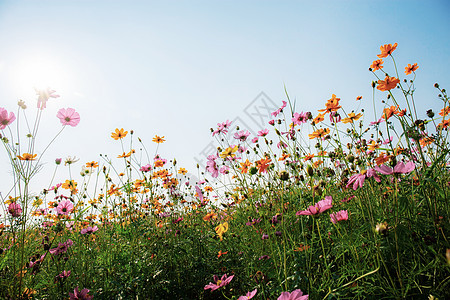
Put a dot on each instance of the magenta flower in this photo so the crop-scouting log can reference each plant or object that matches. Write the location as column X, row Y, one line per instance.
column 64, row 207
column 249, row 295
column 218, row 283
column 295, row 295
column 358, row 179
column 400, row 168
column 68, row 116
column 62, row 247
column 377, row 122
column 145, row 168
column 341, row 215
column 318, row 208
column 211, row 166
column 272, row 122
column 265, row 236
column 80, row 295
column 6, row 119
column 14, row 209
column 278, row 111
column 300, row 118
column 89, row 230
column 64, row 274
column 255, row 140
column 335, row 117
column 263, row 132
column 242, row 135
column 222, row 127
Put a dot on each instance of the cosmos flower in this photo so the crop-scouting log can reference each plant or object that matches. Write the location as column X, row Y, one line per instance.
column 387, row 50
column 318, row 208
column 377, row 65
column 341, row 215
column 388, row 83
column 80, row 295
column 218, row 283
column 14, row 209
column 249, row 295
column 411, row 68
column 294, row 295
column 68, row 116
column 358, row 179
column 44, row 95
column 6, row 119
column 400, row 168
column 64, row 207
column 119, row 134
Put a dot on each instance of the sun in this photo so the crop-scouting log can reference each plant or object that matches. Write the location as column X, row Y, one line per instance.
column 39, row 72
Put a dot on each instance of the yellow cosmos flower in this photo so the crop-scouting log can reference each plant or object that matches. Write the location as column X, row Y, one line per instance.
column 229, row 152
column 221, row 229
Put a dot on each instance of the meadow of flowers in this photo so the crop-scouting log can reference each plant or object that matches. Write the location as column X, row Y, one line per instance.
column 355, row 209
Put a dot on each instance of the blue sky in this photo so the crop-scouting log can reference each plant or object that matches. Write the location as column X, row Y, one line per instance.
column 177, row 68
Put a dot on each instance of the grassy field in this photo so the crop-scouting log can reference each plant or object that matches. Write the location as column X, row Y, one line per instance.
column 355, row 209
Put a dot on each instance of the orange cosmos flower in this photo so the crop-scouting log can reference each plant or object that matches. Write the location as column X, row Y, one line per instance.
column 92, row 164
column 244, row 166
column 331, row 105
column 119, row 134
column 426, row 141
column 308, row 157
column 358, row 98
column 182, row 171
column 319, row 118
column 377, row 65
column 373, row 145
column 221, row 253
column 263, row 164
column 210, row 216
column 444, row 112
column 320, row 133
column 69, row 185
column 208, row 188
column 27, row 156
column 284, row 156
column 409, row 69
column 123, row 155
column 351, row 117
column 158, row 139
column 382, row 158
column 317, row 163
column 388, row 83
column 444, row 124
column 387, row 50
column 389, row 112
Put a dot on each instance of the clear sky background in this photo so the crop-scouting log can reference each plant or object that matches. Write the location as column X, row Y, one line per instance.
column 177, row 68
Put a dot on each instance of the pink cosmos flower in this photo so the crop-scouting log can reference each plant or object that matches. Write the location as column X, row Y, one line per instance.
column 64, row 207
column 295, row 295
column 224, row 170
column 80, row 295
column 377, row 122
column 222, row 127
column 241, row 135
column 62, row 247
column 64, row 274
column 14, row 209
column 300, row 118
column 249, row 295
column 218, row 283
column 272, row 122
column 358, row 179
column 318, row 208
column 145, row 168
column 44, row 95
column 335, row 117
column 341, row 215
column 68, row 116
column 6, row 119
column 400, row 168
column 278, row 111
column 263, row 132
column 387, row 141
column 255, row 140
column 89, row 230
column 211, row 166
